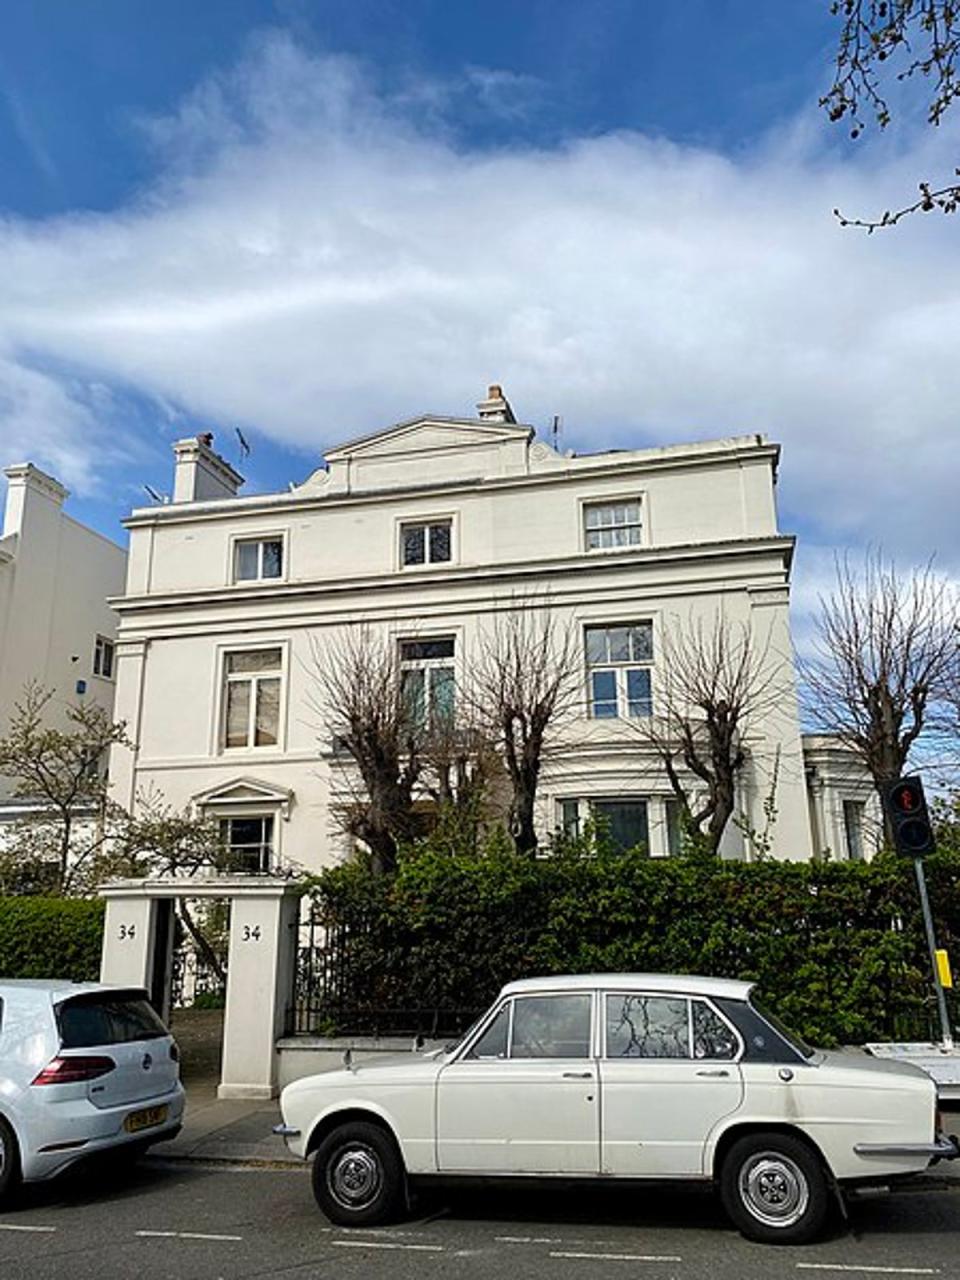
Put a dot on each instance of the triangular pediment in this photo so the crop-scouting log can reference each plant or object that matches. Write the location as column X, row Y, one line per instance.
column 430, row 435
column 248, row 792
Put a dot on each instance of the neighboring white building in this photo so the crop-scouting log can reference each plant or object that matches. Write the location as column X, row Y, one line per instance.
column 429, row 530
column 56, row 627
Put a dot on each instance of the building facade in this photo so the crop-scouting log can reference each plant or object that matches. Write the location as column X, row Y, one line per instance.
column 56, row 575
column 427, row 532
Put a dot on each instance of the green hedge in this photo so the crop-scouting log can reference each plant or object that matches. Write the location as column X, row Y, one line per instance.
column 837, row 948
column 50, row 938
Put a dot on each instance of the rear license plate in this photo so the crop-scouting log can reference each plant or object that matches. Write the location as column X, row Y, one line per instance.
column 148, row 1118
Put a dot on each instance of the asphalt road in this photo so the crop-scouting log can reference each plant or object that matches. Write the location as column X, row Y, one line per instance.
column 193, row 1222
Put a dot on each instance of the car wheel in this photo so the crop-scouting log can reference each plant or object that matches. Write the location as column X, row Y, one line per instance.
column 358, row 1176
column 775, row 1189
column 9, row 1161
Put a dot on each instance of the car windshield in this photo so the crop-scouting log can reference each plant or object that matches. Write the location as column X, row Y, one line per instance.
column 791, row 1037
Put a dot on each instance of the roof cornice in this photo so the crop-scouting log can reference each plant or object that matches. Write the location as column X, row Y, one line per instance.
column 737, row 449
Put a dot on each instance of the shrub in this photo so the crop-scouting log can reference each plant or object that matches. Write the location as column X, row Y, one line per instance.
column 837, row 949
column 50, row 938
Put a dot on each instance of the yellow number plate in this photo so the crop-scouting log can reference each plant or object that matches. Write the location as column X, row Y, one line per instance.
column 148, row 1118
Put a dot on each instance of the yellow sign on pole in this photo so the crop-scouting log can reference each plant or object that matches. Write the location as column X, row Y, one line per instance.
column 943, row 968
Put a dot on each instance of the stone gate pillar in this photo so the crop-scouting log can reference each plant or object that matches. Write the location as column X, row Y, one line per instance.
column 264, row 918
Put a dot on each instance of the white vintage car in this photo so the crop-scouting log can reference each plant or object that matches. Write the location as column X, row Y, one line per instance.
column 626, row 1076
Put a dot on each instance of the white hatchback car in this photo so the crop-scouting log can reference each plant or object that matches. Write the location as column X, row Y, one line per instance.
column 84, row 1068
column 620, row 1076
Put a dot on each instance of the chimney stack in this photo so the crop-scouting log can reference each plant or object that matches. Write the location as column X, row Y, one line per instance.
column 200, row 475
column 496, row 407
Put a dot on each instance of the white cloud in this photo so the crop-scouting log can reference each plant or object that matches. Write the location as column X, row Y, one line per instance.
column 317, row 258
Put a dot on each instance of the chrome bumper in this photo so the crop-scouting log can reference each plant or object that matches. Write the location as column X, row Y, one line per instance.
column 943, row 1148
column 286, row 1131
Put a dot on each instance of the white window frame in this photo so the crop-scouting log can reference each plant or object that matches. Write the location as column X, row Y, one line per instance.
column 224, row 678
column 426, row 665
column 425, row 522
column 620, row 670
column 103, row 645
column 273, row 535
column 262, row 815
column 613, row 500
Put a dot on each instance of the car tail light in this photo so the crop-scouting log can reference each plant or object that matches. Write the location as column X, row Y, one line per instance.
column 71, row 1070
column 174, row 1051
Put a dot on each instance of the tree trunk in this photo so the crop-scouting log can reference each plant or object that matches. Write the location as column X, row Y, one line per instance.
column 200, row 942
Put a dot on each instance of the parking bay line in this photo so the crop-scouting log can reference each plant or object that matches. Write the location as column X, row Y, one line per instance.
column 183, row 1235
column 865, row 1269
column 387, row 1244
column 618, row 1257
column 19, row 1226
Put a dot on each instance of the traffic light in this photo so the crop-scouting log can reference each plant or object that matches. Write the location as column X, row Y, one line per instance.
column 906, row 811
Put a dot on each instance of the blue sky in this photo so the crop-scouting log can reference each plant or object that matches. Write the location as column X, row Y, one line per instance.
column 309, row 218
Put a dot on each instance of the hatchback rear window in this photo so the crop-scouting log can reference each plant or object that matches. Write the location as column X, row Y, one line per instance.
column 87, row 1021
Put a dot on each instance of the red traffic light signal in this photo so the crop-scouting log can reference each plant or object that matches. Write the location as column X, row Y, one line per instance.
column 906, row 810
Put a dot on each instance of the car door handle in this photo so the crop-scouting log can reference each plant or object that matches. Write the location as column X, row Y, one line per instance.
column 714, row 1074
column 578, row 1075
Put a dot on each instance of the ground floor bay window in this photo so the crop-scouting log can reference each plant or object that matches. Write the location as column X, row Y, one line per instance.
column 652, row 822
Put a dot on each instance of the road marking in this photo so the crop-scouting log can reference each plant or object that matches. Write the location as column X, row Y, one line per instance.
column 528, row 1239
column 16, row 1226
column 387, row 1244
column 867, row 1270
column 620, row 1257
column 184, row 1235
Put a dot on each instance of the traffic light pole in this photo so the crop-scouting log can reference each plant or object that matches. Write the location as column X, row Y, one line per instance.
column 947, row 1036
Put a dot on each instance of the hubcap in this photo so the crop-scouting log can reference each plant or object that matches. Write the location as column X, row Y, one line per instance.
column 354, row 1176
column 774, row 1189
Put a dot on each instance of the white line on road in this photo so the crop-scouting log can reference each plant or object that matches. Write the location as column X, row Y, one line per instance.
column 528, row 1240
column 184, row 1235
column 387, row 1244
column 620, row 1257
column 861, row 1269
column 16, row 1226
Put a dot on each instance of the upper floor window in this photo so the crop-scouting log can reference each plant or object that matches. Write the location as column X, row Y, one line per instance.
column 247, row 844
column 103, row 657
column 252, row 698
column 255, row 559
column 426, row 673
column 607, row 525
column 430, row 542
column 619, row 659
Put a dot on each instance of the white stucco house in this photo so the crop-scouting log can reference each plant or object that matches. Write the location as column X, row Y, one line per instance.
column 427, row 531
column 56, row 627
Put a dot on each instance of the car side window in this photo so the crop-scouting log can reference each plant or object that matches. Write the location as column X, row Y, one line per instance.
column 647, row 1027
column 493, row 1042
column 712, row 1038
column 551, row 1027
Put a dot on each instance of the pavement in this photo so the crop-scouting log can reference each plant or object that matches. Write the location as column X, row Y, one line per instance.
column 235, row 1131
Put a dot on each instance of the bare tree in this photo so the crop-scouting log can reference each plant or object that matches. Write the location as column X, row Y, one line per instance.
column 886, row 646
column 907, row 39
column 525, row 680
column 715, row 679
column 361, row 700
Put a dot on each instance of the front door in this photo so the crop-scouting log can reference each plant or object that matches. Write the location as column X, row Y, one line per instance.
column 669, row 1074
column 524, row 1097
